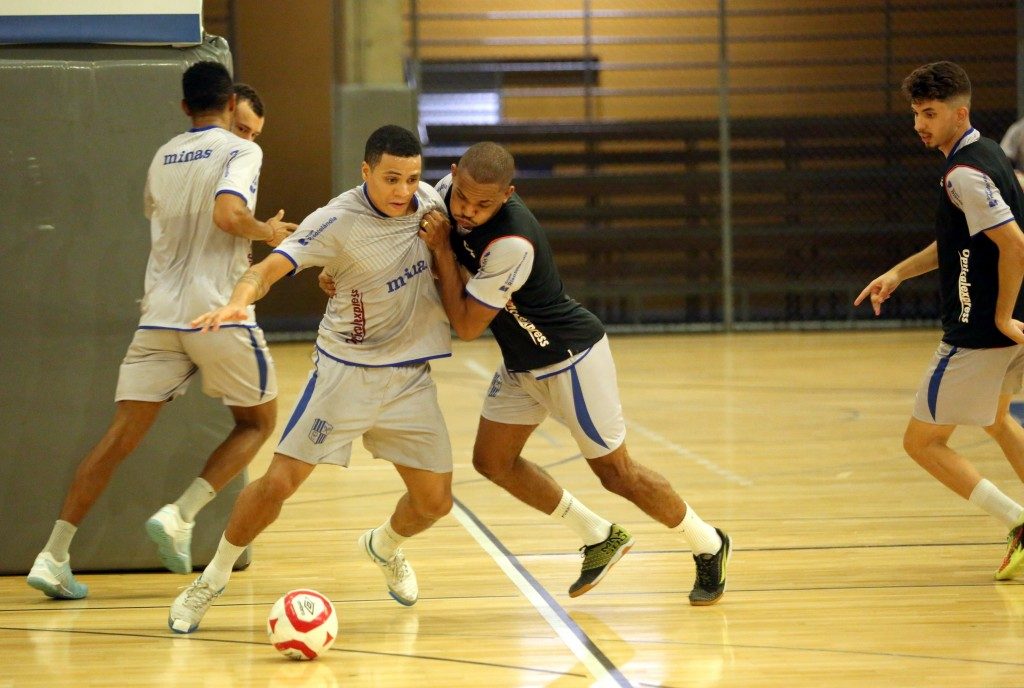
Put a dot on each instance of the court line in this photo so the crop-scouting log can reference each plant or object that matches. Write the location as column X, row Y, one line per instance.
column 206, row 639
column 682, row 451
column 596, row 662
column 693, row 456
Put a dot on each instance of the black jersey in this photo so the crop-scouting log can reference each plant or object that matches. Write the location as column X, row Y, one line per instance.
column 540, row 325
column 969, row 265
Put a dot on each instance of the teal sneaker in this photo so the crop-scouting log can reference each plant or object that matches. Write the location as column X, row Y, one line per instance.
column 173, row 538
column 55, row 578
column 598, row 559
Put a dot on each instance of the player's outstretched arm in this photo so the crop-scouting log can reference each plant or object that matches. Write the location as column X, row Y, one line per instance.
column 882, row 287
column 251, row 287
column 232, row 215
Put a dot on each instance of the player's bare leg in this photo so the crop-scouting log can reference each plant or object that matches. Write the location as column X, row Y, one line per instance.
column 928, row 445
column 497, row 457
column 258, row 505
column 131, row 422
column 51, row 570
column 171, row 526
column 1008, row 433
column 428, row 497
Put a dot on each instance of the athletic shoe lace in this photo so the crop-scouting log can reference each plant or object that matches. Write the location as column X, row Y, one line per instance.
column 397, row 568
column 707, row 574
column 198, row 596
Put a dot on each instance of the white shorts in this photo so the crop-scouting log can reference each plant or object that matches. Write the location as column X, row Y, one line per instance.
column 393, row 408
column 963, row 386
column 581, row 393
column 235, row 363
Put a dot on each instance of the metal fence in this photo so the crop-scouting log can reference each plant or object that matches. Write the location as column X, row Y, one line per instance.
column 719, row 163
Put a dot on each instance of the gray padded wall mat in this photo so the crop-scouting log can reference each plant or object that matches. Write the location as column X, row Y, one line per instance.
column 78, row 127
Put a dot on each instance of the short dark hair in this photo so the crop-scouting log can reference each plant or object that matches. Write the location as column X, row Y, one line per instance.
column 247, row 92
column 393, row 140
column 937, row 81
column 488, row 163
column 206, row 87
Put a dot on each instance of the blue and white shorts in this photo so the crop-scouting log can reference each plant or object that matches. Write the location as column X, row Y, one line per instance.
column 581, row 393
column 234, row 361
column 393, row 408
column 963, row 386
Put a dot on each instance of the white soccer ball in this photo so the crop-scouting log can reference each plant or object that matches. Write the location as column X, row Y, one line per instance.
column 302, row 624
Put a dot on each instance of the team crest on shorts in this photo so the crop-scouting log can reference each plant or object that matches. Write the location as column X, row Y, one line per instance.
column 320, row 430
column 495, row 385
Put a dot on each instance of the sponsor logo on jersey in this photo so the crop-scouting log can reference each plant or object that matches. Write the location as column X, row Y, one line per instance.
column 320, row 430
column 358, row 319
column 990, row 192
column 406, row 276
column 314, row 233
column 964, row 287
column 512, row 276
column 538, row 337
column 188, row 156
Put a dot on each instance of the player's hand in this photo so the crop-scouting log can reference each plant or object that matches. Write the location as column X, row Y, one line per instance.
column 212, row 320
column 435, row 229
column 880, row 289
column 327, row 284
column 1014, row 329
column 282, row 230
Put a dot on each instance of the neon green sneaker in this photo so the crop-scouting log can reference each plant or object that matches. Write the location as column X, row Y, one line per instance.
column 710, row 582
column 1014, row 552
column 598, row 559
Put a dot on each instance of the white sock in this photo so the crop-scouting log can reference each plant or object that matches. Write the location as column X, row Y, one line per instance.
column 702, row 537
column 195, row 497
column 991, row 499
column 584, row 522
column 218, row 571
column 60, row 540
column 384, row 540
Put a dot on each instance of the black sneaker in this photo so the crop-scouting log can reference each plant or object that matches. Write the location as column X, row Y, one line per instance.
column 598, row 559
column 710, row 582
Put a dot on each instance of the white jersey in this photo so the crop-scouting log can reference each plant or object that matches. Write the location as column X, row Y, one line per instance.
column 193, row 264
column 386, row 310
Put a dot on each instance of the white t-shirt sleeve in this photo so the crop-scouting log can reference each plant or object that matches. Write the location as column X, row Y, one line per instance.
column 317, row 241
column 242, row 172
column 974, row 192
column 504, row 268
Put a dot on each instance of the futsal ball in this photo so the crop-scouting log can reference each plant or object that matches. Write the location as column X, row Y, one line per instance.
column 302, row 624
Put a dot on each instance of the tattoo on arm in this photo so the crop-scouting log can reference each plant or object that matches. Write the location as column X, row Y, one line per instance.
column 253, row 278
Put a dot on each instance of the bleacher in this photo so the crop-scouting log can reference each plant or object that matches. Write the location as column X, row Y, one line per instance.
column 633, row 211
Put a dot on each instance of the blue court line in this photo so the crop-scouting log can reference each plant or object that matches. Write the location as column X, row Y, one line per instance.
column 602, row 668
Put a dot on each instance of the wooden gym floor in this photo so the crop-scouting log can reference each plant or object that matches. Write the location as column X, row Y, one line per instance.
column 851, row 567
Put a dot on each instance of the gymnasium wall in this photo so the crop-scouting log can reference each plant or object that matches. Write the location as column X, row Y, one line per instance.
column 78, row 128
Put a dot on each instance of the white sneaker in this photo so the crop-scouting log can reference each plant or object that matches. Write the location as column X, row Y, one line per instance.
column 191, row 605
column 400, row 577
column 55, row 578
column 173, row 537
